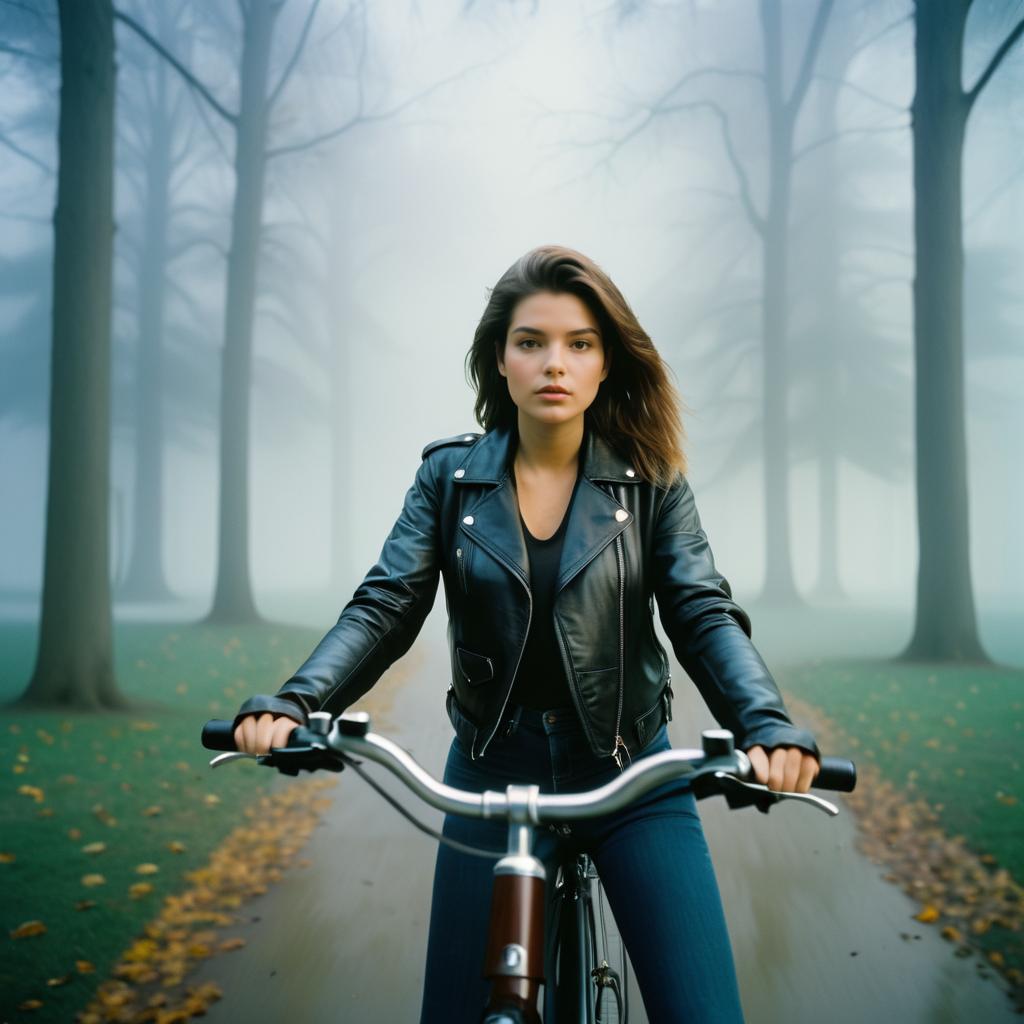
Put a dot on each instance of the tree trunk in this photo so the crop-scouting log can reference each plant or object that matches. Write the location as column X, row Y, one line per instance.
column 233, row 600
column 145, row 579
column 825, row 272
column 74, row 665
column 945, row 627
column 779, row 586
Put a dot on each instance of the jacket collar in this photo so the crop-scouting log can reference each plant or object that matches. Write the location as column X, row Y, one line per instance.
column 489, row 460
column 596, row 518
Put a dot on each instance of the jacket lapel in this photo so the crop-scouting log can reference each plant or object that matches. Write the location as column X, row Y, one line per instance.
column 595, row 517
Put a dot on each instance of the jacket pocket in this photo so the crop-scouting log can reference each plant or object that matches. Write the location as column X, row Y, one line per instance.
column 647, row 724
column 476, row 669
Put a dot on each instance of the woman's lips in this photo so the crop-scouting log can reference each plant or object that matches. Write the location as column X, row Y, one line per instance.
column 553, row 394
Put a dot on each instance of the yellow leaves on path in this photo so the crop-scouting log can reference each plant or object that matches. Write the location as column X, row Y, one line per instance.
column 28, row 929
column 90, row 881
column 85, row 967
column 7, row 858
column 33, row 791
column 176, row 846
column 94, row 848
column 140, row 889
column 146, row 981
column 153, row 811
column 955, row 886
column 146, row 869
column 84, row 904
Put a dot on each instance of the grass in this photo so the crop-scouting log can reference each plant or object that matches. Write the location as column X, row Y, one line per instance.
column 950, row 735
column 136, row 782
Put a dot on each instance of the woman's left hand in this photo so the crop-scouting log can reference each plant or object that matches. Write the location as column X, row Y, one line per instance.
column 788, row 768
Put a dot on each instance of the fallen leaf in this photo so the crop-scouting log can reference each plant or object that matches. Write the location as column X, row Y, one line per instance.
column 33, row 791
column 84, row 904
column 140, row 889
column 146, row 869
column 927, row 915
column 211, row 799
column 7, row 858
column 28, row 929
column 176, row 846
column 85, row 967
column 74, row 833
column 18, row 769
column 951, row 933
column 94, row 848
column 152, row 812
column 30, row 1004
column 228, row 945
column 56, row 982
column 996, row 958
column 92, row 880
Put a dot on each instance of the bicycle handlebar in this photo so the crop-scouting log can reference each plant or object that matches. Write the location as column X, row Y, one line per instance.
column 717, row 768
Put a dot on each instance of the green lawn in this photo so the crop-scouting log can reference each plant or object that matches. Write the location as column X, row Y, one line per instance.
column 951, row 735
column 137, row 782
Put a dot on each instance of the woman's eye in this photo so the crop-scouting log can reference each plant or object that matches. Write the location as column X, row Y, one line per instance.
column 583, row 342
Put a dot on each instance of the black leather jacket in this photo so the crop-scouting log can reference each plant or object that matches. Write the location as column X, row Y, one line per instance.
column 627, row 543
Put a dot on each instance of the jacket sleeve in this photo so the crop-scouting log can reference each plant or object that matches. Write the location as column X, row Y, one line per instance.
column 710, row 633
column 379, row 623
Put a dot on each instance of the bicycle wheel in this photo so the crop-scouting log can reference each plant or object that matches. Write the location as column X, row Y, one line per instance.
column 589, row 964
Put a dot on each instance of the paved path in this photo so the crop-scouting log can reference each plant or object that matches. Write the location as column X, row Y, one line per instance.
column 343, row 939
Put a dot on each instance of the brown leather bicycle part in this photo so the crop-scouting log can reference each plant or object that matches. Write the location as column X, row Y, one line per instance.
column 517, row 917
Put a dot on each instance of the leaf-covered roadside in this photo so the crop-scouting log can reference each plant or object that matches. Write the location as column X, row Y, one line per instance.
column 977, row 905
column 103, row 815
column 150, row 979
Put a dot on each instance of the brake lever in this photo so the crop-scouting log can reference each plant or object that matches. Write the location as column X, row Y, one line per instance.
column 764, row 797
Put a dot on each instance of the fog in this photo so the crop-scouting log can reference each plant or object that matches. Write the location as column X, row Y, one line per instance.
column 477, row 131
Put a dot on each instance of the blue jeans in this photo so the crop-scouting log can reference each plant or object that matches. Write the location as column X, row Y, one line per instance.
column 652, row 859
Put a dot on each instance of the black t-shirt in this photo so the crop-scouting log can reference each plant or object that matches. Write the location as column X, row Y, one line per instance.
column 540, row 682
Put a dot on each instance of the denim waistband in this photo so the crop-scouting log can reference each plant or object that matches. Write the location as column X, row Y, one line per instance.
column 550, row 721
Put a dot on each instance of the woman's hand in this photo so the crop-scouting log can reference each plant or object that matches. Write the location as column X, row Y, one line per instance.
column 788, row 768
column 256, row 734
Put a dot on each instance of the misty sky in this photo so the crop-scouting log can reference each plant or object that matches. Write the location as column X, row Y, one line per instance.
column 381, row 245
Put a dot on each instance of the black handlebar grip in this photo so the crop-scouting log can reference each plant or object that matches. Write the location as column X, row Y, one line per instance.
column 836, row 773
column 219, row 735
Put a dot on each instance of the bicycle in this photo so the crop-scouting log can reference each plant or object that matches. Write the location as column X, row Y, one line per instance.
column 515, row 956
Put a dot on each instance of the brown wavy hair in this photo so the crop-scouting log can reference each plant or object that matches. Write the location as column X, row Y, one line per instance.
column 637, row 408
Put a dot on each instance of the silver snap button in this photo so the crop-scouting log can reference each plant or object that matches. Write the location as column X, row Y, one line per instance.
column 459, row 474
column 468, row 437
column 468, row 520
column 630, row 472
column 621, row 515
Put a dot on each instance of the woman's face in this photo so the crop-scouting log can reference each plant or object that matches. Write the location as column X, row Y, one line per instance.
column 553, row 342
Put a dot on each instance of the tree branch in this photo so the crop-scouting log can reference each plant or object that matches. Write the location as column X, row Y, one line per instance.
column 24, row 153
column 296, row 54
column 360, row 118
column 810, row 56
column 997, row 59
column 178, row 66
column 799, row 154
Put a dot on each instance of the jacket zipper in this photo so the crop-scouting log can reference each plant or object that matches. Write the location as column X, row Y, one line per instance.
column 461, row 560
column 619, row 742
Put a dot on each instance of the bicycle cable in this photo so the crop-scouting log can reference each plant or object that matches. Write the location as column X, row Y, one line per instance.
column 453, row 843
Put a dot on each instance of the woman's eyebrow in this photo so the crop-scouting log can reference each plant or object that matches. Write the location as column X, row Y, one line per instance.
column 537, row 330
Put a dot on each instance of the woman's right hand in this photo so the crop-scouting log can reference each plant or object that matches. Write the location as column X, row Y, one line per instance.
column 256, row 734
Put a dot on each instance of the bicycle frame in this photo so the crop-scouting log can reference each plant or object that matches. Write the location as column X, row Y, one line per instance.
column 515, row 950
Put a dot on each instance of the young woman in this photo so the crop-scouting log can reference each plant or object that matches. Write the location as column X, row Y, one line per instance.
column 555, row 531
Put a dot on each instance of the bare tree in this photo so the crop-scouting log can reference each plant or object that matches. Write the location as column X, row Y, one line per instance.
column 945, row 626
column 233, row 598
column 74, row 665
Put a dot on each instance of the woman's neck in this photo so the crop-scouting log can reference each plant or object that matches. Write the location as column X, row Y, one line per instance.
column 548, row 447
